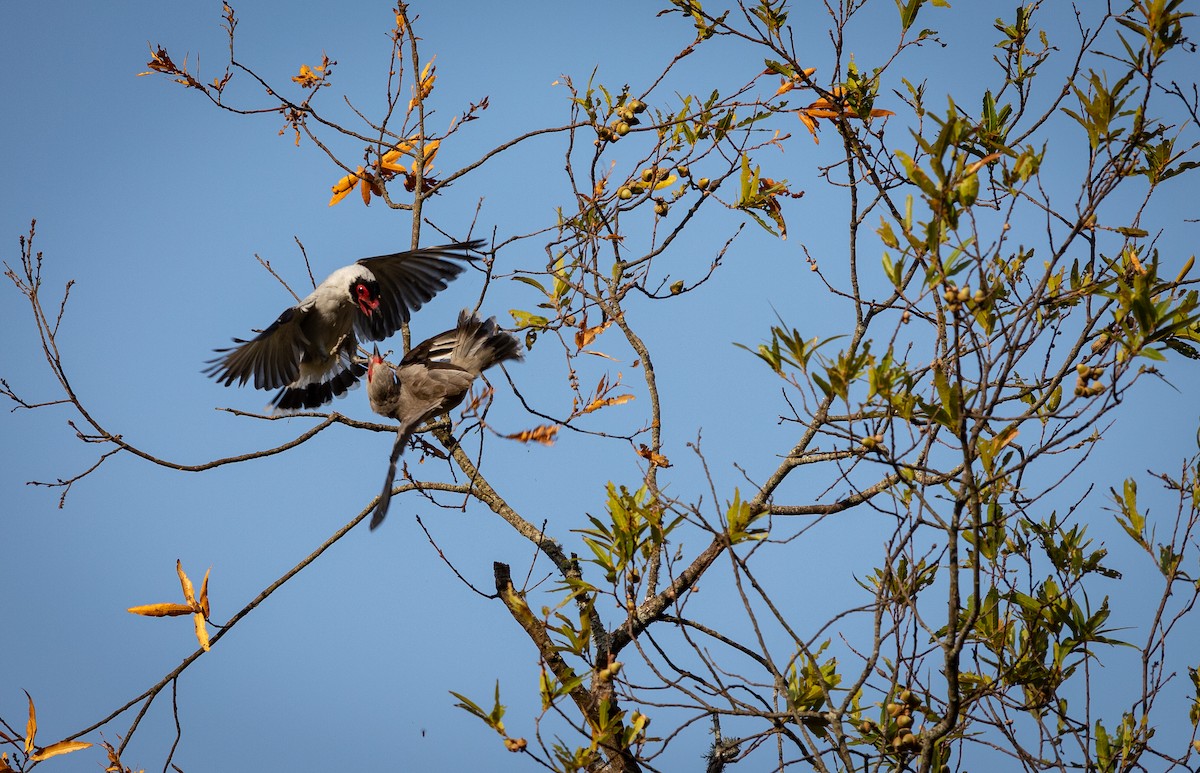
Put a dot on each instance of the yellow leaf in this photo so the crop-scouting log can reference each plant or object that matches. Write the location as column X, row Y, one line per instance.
column 62, row 747
column 602, row 402
column 201, row 631
column 658, row 460
column 543, row 434
column 162, row 610
column 189, row 592
column 785, row 86
column 307, row 78
column 30, row 726
column 364, row 185
column 670, row 180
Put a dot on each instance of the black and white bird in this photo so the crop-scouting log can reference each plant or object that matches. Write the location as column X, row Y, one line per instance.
column 309, row 350
column 431, row 379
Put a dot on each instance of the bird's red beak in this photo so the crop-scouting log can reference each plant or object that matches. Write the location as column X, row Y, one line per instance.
column 366, row 304
column 376, row 359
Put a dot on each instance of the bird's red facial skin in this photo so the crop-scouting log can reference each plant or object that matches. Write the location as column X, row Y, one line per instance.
column 367, row 303
column 375, row 362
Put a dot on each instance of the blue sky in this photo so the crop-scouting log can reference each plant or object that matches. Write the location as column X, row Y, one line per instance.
column 155, row 203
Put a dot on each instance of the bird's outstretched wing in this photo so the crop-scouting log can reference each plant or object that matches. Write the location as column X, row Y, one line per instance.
column 271, row 359
column 407, row 280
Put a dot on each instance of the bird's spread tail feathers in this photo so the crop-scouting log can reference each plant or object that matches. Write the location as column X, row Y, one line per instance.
column 480, row 344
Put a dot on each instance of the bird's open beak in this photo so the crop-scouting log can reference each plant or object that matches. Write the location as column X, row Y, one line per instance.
column 367, row 306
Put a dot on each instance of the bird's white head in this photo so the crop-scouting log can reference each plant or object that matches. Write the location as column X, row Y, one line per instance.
column 353, row 284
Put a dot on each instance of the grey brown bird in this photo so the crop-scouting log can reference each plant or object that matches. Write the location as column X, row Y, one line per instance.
column 309, row 350
column 431, row 379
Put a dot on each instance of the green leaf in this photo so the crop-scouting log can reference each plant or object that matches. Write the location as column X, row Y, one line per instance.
column 531, row 282
column 526, row 320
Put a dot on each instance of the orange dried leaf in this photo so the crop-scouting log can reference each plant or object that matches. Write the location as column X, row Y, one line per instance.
column 204, row 592
column 981, row 163
column 809, row 124
column 424, row 86
column 4, row 768
column 785, row 86
column 30, row 725
column 821, row 112
column 342, row 188
column 189, row 592
column 160, row 61
column 656, row 459
column 389, row 161
column 602, row 402
column 880, row 113
column 431, row 149
column 201, row 631
column 62, row 747
column 364, row 186
column 162, row 610
column 587, row 335
column 1004, row 438
column 544, row 434
column 114, row 759
column 477, row 400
